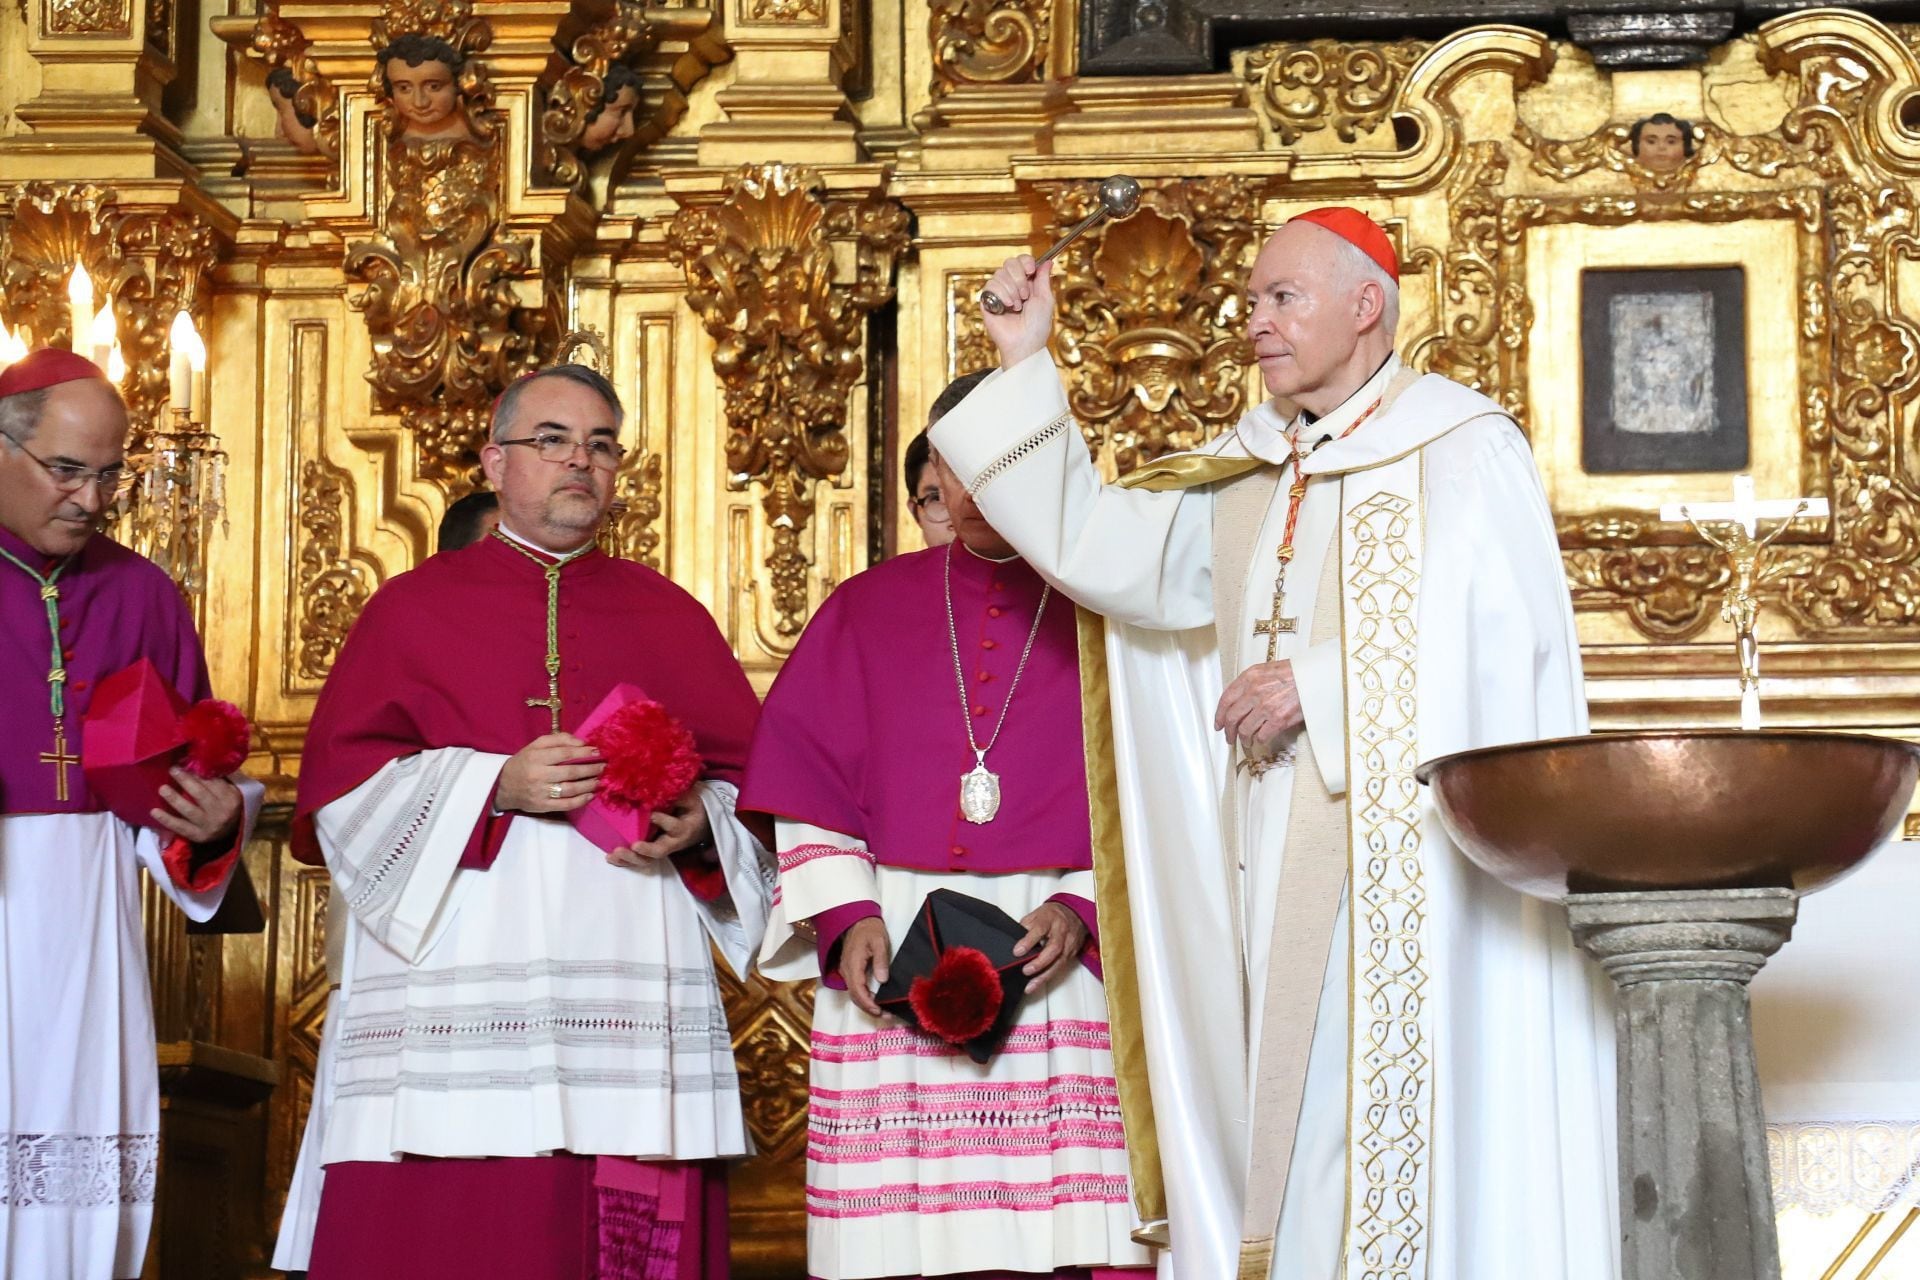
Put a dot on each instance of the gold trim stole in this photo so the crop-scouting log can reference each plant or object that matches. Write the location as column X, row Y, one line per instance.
column 1390, row 1040
column 1119, row 965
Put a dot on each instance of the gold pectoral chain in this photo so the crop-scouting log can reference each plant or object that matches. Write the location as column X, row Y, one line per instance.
column 552, row 571
column 60, row 758
column 1278, row 624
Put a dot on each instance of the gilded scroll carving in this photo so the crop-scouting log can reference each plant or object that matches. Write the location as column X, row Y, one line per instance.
column 305, row 100
column 1468, row 297
column 968, row 347
column 638, row 505
column 785, row 12
column 1611, row 149
column 1151, row 315
column 1302, row 88
column 760, row 269
column 443, row 285
column 591, row 104
column 988, row 42
column 88, row 17
column 149, row 262
column 333, row 586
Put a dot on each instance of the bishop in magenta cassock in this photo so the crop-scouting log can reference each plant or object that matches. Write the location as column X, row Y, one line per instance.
column 79, row 1086
column 921, row 1161
column 1366, row 1056
column 533, row 1074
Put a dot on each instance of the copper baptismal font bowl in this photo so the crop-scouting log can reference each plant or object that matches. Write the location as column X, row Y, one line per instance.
column 1650, row 811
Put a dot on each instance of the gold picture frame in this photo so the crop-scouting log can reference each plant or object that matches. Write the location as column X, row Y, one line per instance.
column 1772, row 238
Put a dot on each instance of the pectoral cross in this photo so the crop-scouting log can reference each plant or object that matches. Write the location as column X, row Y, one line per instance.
column 552, row 704
column 60, row 759
column 1742, row 546
column 1278, row 625
column 552, row 701
column 552, row 571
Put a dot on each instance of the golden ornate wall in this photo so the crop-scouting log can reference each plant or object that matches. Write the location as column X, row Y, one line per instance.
column 779, row 263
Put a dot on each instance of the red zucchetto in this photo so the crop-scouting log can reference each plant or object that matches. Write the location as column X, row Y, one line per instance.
column 47, row 367
column 1358, row 230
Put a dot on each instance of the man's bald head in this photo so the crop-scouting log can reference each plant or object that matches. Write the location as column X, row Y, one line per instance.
column 1321, row 315
column 49, row 437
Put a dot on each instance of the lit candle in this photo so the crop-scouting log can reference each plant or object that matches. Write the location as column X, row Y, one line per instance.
column 79, row 307
column 116, row 365
column 12, row 347
column 197, row 375
column 179, row 368
column 102, row 334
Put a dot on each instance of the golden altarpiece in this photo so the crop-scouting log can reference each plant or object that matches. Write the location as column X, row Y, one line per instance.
column 777, row 266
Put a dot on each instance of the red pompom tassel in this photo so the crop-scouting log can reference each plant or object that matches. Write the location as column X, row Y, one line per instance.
column 651, row 757
column 218, row 738
column 961, row 998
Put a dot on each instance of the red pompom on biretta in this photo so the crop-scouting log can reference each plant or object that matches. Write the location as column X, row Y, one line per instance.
column 961, row 997
column 651, row 757
column 218, row 738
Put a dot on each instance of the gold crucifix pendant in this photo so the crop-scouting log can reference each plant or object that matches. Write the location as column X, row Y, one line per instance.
column 1276, row 626
column 60, row 759
column 552, row 704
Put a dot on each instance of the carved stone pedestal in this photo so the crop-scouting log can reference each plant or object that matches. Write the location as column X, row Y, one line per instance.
column 1695, row 1203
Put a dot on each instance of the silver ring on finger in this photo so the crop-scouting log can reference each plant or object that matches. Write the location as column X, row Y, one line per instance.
column 553, row 791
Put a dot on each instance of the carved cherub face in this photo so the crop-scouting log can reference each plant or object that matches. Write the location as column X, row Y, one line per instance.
column 614, row 123
column 1661, row 143
column 424, row 95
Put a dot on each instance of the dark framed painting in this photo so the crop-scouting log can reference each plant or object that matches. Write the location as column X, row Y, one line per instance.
column 1664, row 354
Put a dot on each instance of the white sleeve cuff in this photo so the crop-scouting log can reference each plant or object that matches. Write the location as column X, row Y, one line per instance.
column 998, row 422
column 1320, row 677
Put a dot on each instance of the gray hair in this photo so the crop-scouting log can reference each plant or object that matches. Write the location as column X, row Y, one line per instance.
column 20, row 414
column 592, row 379
column 1353, row 268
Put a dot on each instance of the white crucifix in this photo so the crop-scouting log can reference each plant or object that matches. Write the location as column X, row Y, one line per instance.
column 1742, row 544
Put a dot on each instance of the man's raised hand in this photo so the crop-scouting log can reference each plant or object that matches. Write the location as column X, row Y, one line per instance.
column 1260, row 708
column 864, row 949
column 555, row 773
column 1028, row 321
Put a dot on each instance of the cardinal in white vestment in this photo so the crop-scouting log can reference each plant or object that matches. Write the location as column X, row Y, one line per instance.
column 1366, row 1058
column 79, row 1083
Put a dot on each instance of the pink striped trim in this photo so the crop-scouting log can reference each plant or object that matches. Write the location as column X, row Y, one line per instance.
column 967, row 1197
column 905, row 1042
column 801, row 854
column 933, row 1143
column 966, row 1095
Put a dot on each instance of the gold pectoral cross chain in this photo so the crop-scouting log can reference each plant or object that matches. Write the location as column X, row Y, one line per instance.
column 1277, row 624
column 60, row 758
column 552, row 570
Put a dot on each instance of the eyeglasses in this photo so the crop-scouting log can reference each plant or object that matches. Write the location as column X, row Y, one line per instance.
column 932, row 506
column 70, row 477
column 557, row 446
